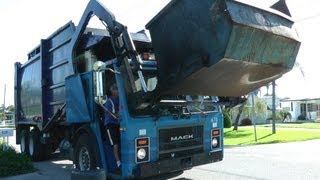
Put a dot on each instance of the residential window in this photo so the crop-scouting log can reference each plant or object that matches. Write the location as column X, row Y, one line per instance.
column 312, row 107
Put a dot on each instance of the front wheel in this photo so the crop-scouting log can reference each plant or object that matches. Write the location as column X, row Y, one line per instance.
column 85, row 158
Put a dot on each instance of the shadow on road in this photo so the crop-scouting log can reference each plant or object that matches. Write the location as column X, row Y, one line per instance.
column 260, row 139
column 56, row 168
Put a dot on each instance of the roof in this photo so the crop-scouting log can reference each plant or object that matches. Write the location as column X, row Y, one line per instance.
column 300, row 99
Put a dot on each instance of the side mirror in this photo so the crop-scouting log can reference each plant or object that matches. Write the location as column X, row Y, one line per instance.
column 99, row 84
column 98, row 65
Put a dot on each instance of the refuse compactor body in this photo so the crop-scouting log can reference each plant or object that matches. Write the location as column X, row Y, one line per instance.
column 221, row 47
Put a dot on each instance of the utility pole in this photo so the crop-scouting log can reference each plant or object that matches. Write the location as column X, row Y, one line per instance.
column 273, row 107
column 4, row 97
column 253, row 117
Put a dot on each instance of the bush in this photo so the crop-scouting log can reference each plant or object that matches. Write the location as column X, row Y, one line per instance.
column 302, row 117
column 226, row 119
column 13, row 163
column 246, row 122
column 281, row 115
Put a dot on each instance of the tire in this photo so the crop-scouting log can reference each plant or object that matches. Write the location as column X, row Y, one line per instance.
column 85, row 157
column 36, row 148
column 24, row 142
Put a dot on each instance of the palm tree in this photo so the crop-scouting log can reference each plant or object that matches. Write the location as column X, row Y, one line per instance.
column 236, row 122
column 10, row 108
column 3, row 116
column 259, row 108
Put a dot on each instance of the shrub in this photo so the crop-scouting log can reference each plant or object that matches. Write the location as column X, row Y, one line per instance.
column 281, row 115
column 226, row 119
column 302, row 117
column 13, row 163
column 245, row 122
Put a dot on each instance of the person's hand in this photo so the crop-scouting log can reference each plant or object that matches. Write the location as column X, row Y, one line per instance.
column 100, row 100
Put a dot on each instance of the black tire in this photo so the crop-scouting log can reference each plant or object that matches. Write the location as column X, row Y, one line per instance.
column 36, row 148
column 24, row 142
column 85, row 157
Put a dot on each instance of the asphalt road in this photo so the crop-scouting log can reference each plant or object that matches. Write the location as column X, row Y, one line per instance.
column 298, row 160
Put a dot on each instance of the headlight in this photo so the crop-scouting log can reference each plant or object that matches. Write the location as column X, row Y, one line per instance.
column 142, row 149
column 214, row 142
column 141, row 154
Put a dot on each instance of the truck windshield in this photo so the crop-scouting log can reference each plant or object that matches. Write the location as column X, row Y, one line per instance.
column 187, row 104
column 148, row 104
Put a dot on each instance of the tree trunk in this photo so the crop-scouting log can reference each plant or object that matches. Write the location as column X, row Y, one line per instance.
column 236, row 122
column 273, row 107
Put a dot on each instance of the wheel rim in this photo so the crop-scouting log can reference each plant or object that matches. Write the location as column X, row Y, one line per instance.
column 31, row 150
column 84, row 159
column 23, row 144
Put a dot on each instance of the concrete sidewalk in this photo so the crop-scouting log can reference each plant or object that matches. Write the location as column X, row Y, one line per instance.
column 280, row 128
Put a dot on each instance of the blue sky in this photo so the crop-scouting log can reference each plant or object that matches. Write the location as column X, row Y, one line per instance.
column 24, row 23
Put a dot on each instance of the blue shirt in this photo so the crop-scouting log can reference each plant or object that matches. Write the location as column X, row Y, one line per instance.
column 112, row 105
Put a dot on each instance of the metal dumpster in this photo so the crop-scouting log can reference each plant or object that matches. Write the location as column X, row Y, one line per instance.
column 221, row 47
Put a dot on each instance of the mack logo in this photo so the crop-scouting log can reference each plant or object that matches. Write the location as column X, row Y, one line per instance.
column 185, row 137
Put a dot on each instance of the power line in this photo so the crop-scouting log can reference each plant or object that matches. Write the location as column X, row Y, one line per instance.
column 309, row 17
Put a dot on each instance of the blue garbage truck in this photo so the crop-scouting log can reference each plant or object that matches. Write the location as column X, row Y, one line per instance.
column 204, row 54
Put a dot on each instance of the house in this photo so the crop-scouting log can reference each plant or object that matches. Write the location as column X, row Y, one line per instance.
column 262, row 117
column 302, row 109
column 268, row 99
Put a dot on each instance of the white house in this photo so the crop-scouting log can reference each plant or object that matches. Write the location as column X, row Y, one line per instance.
column 302, row 109
column 268, row 100
column 261, row 118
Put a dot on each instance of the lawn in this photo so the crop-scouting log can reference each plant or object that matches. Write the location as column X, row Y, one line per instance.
column 297, row 125
column 245, row 136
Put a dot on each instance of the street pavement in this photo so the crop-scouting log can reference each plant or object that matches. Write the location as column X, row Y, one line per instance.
column 297, row 160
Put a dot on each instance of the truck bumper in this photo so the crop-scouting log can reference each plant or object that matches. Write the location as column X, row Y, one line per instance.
column 177, row 164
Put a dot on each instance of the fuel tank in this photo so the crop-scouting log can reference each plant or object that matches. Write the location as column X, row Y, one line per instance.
column 221, row 47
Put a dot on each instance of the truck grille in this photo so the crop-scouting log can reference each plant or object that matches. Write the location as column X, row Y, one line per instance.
column 180, row 142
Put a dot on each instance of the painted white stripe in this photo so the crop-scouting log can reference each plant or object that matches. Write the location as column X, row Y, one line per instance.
column 113, row 109
column 110, row 139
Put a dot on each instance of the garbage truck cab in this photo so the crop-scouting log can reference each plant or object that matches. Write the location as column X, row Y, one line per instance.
column 169, row 135
column 159, row 134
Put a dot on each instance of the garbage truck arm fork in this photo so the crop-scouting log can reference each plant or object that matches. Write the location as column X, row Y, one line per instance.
column 120, row 38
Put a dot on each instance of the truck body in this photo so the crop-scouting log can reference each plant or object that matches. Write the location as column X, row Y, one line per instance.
column 168, row 123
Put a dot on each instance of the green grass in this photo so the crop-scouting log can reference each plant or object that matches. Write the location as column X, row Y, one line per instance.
column 13, row 163
column 245, row 136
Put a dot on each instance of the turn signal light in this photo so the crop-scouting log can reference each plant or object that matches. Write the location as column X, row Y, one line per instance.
column 142, row 142
column 142, row 150
column 215, row 132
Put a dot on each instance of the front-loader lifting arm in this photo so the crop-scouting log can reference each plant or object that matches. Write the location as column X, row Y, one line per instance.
column 121, row 41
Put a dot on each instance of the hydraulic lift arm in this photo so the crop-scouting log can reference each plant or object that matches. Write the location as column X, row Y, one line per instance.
column 121, row 40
